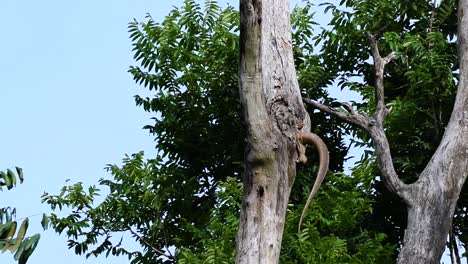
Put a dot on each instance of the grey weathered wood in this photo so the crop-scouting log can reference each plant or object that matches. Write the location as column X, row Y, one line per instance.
column 432, row 198
column 273, row 113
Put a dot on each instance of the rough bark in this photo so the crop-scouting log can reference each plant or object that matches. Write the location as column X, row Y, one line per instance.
column 431, row 200
column 273, row 113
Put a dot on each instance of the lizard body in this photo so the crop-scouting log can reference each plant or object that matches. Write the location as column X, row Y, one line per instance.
column 313, row 139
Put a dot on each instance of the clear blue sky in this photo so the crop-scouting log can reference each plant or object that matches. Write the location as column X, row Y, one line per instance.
column 67, row 104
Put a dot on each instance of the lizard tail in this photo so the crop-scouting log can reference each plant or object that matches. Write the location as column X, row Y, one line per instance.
column 311, row 138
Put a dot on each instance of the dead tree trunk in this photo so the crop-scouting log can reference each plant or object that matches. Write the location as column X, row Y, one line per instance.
column 273, row 113
column 432, row 198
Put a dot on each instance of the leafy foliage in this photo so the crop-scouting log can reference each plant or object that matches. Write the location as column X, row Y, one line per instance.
column 333, row 233
column 132, row 208
column 189, row 63
column 335, row 229
column 16, row 242
column 183, row 205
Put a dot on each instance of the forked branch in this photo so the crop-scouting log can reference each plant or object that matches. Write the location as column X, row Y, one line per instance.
column 372, row 124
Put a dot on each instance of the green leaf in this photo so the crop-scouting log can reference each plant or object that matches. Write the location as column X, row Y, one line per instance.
column 45, row 221
column 19, row 171
column 21, row 234
column 12, row 231
column 12, row 177
column 6, row 180
column 26, row 248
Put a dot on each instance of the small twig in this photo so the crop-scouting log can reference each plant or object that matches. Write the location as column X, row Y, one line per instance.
column 149, row 245
column 24, row 217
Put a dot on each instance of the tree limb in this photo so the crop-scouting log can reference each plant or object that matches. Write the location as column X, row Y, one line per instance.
column 373, row 125
column 384, row 159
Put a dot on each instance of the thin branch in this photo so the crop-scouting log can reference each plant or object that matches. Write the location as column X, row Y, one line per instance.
column 389, row 58
column 351, row 117
column 149, row 245
column 22, row 218
column 373, row 125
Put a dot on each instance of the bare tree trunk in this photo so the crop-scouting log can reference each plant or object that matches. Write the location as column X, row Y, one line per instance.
column 431, row 200
column 273, row 114
column 428, row 225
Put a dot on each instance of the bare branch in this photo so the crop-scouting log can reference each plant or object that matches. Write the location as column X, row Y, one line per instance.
column 389, row 58
column 385, row 161
column 374, row 47
column 379, row 64
column 377, row 133
column 352, row 118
